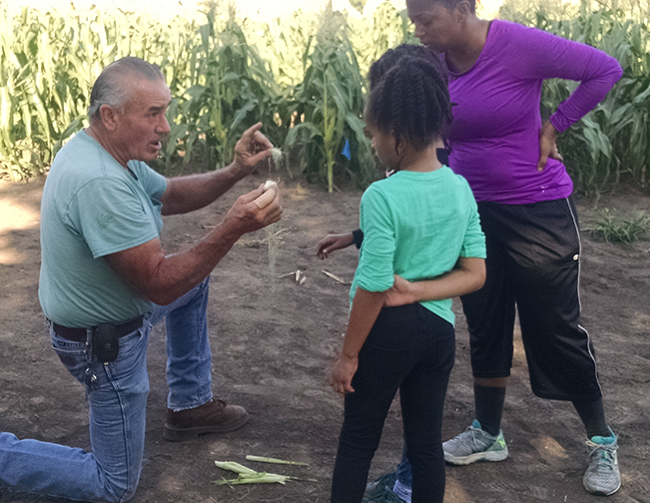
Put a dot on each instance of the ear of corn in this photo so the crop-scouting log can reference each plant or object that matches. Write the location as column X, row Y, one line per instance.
column 268, row 184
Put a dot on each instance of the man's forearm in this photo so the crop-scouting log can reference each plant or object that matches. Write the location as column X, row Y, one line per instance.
column 166, row 278
column 162, row 279
column 192, row 192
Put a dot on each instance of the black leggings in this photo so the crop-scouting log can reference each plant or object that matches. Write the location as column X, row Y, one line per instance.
column 411, row 349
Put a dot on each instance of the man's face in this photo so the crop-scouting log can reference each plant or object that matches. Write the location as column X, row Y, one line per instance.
column 141, row 122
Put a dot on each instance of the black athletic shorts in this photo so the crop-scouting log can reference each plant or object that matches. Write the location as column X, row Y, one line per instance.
column 533, row 263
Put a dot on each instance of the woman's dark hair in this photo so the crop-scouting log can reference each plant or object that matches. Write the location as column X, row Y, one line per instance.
column 411, row 100
column 452, row 4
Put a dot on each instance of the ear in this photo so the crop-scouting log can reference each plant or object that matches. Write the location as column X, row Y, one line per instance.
column 463, row 10
column 400, row 144
column 108, row 117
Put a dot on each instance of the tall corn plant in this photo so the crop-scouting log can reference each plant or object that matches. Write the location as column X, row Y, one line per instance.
column 27, row 87
column 387, row 28
column 235, row 89
column 48, row 63
column 328, row 108
column 286, row 44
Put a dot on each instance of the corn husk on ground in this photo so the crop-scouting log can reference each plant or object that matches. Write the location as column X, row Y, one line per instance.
column 275, row 461
column 247, row 475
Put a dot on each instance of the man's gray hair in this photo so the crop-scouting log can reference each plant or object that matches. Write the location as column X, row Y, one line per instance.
column 111, row 87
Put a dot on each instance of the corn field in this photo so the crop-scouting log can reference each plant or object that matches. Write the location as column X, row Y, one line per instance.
column 303, row 76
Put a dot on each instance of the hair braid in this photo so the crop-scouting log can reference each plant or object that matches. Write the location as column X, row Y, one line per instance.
column 392, row 56
column 420, row 95
column 396, row 96
column 412, row 101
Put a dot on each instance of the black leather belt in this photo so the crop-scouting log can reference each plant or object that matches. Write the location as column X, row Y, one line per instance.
column 79, row 334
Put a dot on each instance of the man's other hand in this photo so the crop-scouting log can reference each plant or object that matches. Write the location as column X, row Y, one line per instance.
column 251, row 148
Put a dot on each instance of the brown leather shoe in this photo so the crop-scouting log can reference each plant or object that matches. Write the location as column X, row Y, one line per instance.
column 214, row 416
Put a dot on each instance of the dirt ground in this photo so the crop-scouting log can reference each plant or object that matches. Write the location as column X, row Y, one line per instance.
column 273, row 340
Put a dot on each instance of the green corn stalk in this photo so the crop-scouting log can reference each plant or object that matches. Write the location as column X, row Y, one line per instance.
column 235, row 90
column 328, row 108
column 372, row 37
column 304, row 80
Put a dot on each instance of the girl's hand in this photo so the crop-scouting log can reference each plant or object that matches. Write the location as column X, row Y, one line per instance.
column 401, row 293
column 547, row 146
column 343, row 372
column 333, row 242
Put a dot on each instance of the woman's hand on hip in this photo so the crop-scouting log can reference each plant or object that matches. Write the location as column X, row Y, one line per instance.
column 547, row 145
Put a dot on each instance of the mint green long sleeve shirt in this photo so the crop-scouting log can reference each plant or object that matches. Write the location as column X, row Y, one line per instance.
column 417, row 225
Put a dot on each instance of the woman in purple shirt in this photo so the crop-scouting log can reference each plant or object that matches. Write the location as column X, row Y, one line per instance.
column 510, row 159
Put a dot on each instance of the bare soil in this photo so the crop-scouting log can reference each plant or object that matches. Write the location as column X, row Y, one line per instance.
column 273, row 341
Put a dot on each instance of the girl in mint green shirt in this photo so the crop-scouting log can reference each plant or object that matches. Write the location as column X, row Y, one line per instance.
column 420, row 223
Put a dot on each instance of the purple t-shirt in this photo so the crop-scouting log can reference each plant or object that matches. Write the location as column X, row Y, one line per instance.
column 495, row 133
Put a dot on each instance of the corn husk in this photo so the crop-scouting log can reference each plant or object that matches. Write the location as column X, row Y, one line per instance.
column 247, row 475
column 262, row 459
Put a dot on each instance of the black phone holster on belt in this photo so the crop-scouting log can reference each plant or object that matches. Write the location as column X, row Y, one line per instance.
column 105, row 342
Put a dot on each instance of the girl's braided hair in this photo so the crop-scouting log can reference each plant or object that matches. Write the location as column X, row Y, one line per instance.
column 392, row 56
column 411, row 100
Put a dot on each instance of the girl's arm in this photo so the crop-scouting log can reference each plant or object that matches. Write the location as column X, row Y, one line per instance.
column 467, row 277
column 365, row 309
column 333, row 242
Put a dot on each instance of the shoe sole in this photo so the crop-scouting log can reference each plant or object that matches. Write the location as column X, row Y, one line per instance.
column 183, row 434
column 602, row 493
column 478, row 456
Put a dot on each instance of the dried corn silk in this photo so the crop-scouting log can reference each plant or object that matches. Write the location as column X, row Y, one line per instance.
column 272, row 240
column 277, row 157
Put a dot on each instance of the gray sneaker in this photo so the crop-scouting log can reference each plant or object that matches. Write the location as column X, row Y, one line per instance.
column 473, row 445
column 603, row 476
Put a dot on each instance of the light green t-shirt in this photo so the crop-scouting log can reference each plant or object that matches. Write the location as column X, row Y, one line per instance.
column 417, row 225
column 92, row 207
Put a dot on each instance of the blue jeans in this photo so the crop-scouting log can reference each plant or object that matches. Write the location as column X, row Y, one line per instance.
column 411, row 349
column 117, row 398
column 404, row 473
